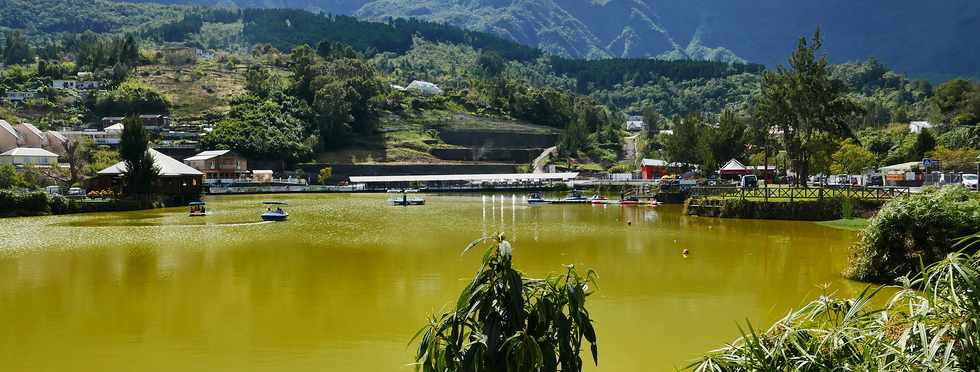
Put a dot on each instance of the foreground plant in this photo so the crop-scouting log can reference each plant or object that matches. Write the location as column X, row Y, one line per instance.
column 504, row 321
column 931, row 323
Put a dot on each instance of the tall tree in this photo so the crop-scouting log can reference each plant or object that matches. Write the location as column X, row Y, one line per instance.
column 141, row 171
column 806, row 104
column 651, row 121
column 925, row 142
column 727, row 140
column 687, row 144
column 851, row 158
column 16, row 50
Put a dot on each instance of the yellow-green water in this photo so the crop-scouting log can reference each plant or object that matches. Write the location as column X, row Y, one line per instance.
column 346, row 282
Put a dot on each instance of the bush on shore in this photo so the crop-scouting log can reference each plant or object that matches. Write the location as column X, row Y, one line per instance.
column 912, row 231
column 931, row 324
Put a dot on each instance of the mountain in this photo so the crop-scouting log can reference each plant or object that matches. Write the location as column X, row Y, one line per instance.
column 923, row 38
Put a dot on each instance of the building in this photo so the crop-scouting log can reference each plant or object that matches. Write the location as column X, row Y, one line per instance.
column 31, row 136
column 98, row 138
column 462, row 180
column 635, row 123
column 29, row 156
column 424, row 88
column 154, row 122
column 175, row 178
column 904, row 174
column 75, row 84
column 19, row 96
column 651, row 169
column 917, row 126
column 219, row 164
column 9, row 138
column 734, row 169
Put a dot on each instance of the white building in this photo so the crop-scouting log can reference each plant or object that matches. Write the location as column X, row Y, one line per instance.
column 917, row 126
column 635, row 123
column 29, row 156
column 98, row 138
column 19, row 96
column 424, row 88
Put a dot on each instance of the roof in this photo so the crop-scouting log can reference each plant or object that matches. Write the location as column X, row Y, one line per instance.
column 902, row 167
column 733, row 165
column 30, row 151
column 32, row 129
column 466, row 177
column 116, row 126
column 113, row 118
column 57, row 135
column 169, row 167
column 5, row 126
column 654, row 163
column 923, row 124
column 206, row 155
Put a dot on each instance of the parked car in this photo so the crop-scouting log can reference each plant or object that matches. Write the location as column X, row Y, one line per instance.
column 749, row 181
column 53, row 189
column 970, row 181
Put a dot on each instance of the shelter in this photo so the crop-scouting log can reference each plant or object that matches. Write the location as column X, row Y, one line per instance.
column 175, row 178
column 734, row 169
column 451, row 180
column 903, row 174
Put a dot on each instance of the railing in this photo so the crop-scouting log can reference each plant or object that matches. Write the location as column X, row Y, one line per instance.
column 793, row 193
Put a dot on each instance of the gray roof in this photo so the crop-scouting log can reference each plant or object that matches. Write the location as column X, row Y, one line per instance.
column 466, row 177
column 32, row 129
column 4, row 125
column 30, row 151
column 206, row 155
column 654, row 163
column 169, row 167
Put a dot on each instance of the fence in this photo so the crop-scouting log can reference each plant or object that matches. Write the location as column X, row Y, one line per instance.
column 794, row 193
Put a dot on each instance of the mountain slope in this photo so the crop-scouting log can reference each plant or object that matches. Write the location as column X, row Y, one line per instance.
column 923, row 38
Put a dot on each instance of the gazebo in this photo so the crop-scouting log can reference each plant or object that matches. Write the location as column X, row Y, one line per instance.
column 176, row 179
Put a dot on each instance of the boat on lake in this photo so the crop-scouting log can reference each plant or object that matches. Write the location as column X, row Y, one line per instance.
column 536, row 198
column 574, row 197
column 198, row 209
column 404, row 200
column 599, row 199
column 277, row 214
column 635, row 201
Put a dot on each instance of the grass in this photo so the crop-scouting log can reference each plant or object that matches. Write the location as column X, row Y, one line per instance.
column 851, row 224
column 195, row 90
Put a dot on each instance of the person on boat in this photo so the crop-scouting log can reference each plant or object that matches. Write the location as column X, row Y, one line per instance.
column 268, row 209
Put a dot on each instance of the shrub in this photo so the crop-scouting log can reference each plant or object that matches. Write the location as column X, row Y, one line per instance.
column 913, row 229
column 14, row 203
column 504, row 321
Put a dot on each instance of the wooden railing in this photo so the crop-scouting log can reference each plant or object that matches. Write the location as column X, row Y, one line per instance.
column 794, row 193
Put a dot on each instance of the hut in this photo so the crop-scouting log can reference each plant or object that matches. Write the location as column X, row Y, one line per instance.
column 176, row 179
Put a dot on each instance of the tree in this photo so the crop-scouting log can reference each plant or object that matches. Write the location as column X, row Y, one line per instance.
column 100, row 159
column 9, row 177
column 134, row 145
column 324, row 175
column 76, row 156
column 16, row 50
column 851, row 158
column 924, row 143
column 492, row 63
column 806, row 104
column 651, row 121
column 261, row 129
column 131, row 97
column 504, row 321
column 687, row 144
column 956, row 160
column 727, row 140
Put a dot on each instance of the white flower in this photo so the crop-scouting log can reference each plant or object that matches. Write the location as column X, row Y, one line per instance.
column 505, row 249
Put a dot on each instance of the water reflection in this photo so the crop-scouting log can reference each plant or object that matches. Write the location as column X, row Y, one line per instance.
column 345, row 283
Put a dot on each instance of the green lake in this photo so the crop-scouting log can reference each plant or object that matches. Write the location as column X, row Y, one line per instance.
column 346, row 282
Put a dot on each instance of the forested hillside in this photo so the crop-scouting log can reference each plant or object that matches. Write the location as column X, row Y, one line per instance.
column 932, row 39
